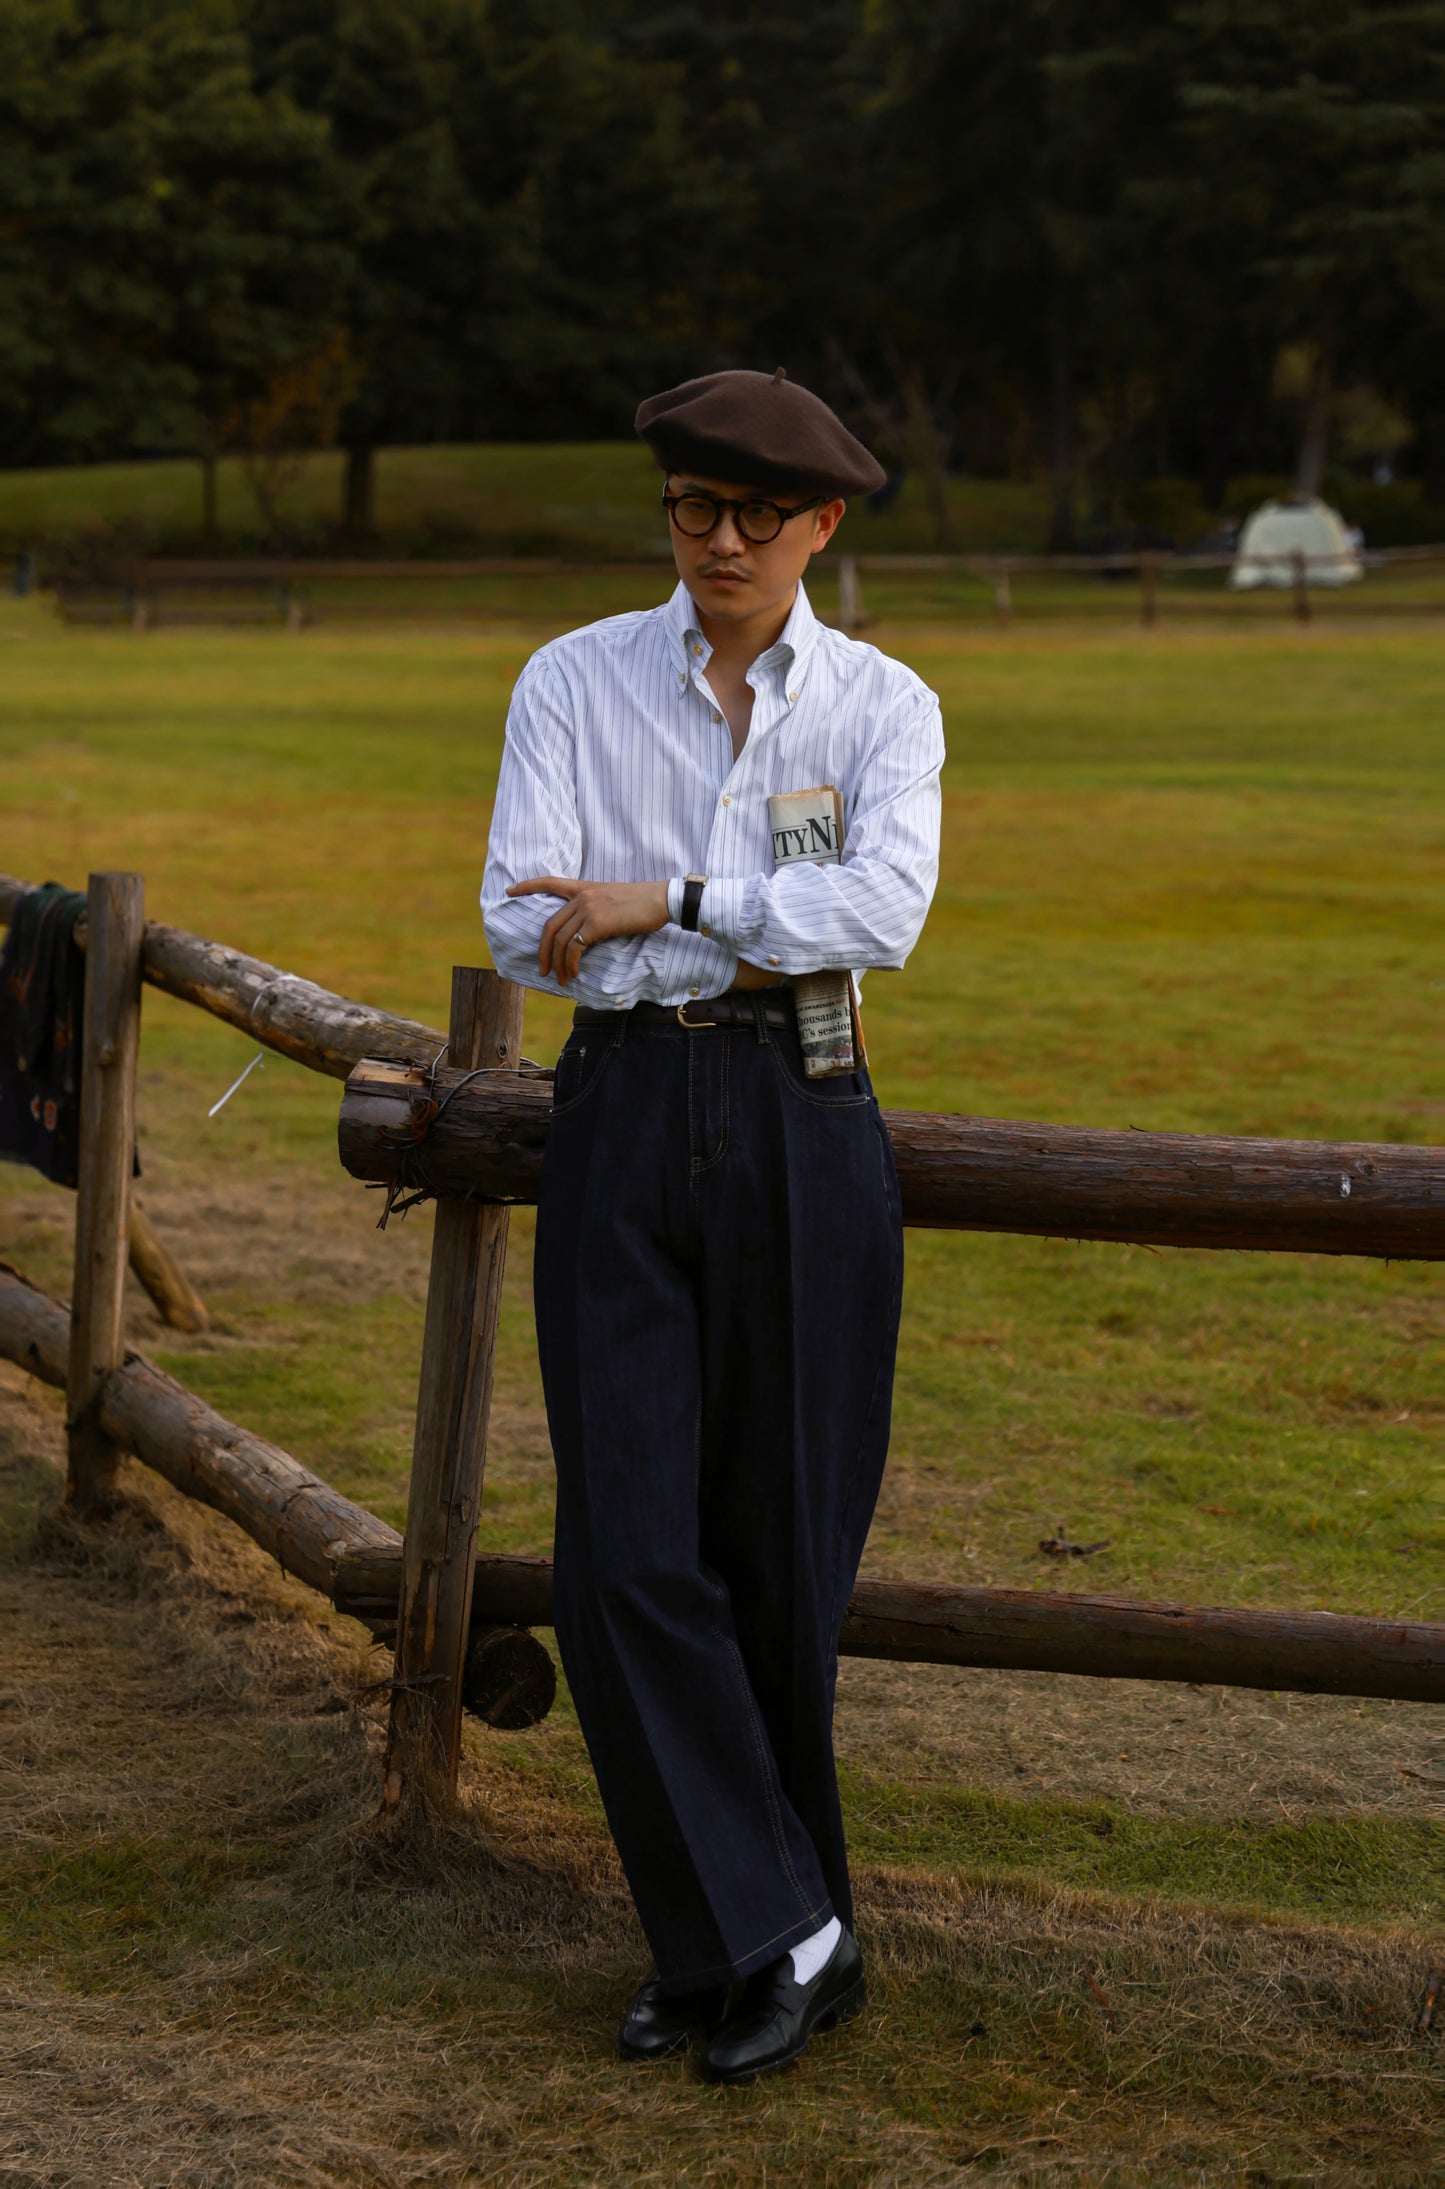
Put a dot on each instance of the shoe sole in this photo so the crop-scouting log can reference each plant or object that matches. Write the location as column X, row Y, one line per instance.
column 851, row 2003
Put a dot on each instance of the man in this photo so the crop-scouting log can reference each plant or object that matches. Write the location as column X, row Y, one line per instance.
column 719, row 1247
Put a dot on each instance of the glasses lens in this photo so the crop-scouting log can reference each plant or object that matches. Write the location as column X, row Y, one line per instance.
column 760, row 522
column 695, row 515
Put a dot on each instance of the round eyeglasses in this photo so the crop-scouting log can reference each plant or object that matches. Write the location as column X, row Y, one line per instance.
column 698, row 515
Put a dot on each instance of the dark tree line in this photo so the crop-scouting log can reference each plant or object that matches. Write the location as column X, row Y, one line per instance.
column 1104, row 237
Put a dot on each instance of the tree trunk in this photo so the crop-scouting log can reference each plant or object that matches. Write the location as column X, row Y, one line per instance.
column 1315, row 439
column 358, row 491
column 1432, row 434
column 209, row 519
column 1061, row 429
column 926, row 452
column 1220, row 437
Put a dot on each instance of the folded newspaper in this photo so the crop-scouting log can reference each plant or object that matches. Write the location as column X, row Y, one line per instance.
column 807, row 828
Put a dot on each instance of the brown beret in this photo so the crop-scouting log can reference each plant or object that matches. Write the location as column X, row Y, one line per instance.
column 757, row 427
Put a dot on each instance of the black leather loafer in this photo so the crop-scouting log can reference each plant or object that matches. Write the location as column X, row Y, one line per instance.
column 659, row 2023
column 776, row 2015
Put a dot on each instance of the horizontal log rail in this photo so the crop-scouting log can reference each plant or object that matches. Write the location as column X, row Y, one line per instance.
column 957, row 1173
column 1101, row 1637
column 326, row 1032
column 355, row 1559
column 306, row 1525
column 438, row 1131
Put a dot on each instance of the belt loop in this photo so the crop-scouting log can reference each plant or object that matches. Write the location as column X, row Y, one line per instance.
column 621, row 1034
column 759, row 1001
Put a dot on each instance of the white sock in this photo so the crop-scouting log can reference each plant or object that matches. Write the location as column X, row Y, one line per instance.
column 808, row 1957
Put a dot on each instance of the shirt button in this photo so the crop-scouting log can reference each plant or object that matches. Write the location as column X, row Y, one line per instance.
column 694, row 991
column 706, row 931
column 716, row 716
column 793, row 696
column 772, row 961
column 726, row 800
column 697, row 649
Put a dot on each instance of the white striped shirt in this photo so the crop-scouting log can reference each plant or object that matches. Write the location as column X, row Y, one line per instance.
column 619, row 767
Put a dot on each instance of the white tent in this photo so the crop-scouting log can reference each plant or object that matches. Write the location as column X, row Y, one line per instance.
column 1279, row 533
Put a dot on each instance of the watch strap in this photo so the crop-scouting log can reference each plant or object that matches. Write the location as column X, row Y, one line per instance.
column 693, row 886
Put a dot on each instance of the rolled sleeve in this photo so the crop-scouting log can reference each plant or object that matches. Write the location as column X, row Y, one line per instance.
column 536, row 830
column 868, row 910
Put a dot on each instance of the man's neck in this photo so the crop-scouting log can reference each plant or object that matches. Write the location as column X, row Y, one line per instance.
column 737, row 642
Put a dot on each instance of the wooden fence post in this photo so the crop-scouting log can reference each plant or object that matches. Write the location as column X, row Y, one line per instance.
column 115, row 919
column 1302, row 610
column 1148, row 591
column 469, row 1249
column 850, row 597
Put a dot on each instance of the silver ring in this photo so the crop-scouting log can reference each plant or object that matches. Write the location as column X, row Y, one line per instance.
column 578, row 938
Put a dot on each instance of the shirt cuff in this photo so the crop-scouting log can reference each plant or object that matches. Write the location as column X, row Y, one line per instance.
column 725, row 914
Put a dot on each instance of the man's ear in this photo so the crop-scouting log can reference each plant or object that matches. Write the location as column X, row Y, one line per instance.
column 826, row 522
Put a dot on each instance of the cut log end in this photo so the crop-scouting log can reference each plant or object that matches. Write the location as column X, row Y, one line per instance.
column 509, row 1680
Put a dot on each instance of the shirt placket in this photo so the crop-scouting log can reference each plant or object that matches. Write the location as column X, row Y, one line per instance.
column 772, row 704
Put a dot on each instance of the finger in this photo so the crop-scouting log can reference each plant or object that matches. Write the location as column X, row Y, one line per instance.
column 576, row 951
column 564, row 931
column 544, row 885
column 550, row 937
column 577, row 940
column 552, row 946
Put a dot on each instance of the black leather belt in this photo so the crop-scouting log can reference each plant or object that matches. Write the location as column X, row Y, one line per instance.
column 739, row 1007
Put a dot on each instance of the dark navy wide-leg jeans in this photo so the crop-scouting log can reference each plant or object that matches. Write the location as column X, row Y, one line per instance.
column 718, row 1278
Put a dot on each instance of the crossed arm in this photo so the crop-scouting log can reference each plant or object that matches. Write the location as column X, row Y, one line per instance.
column 595, row 912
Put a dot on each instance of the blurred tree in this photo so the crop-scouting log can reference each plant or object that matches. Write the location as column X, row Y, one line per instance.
column 997, row 247
column 168, row 237
column 298, row 410
column 1287, row 208
column 1104, row 237
column 520, row 202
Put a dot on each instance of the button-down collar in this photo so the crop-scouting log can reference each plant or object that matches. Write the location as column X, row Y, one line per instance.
column 608, row 773
column 787, row 658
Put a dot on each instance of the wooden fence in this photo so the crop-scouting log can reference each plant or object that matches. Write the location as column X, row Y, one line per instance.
column 460, row 1624
column 278, row 590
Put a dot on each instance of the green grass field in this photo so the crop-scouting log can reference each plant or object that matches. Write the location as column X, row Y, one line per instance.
column 1192, row 880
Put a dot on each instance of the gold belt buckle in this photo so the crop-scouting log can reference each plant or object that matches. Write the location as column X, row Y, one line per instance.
column 694, row 1025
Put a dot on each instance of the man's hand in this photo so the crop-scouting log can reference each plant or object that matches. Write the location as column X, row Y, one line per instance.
column 593, row 912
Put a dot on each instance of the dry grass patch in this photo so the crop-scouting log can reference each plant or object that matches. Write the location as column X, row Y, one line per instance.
column 220, row 1971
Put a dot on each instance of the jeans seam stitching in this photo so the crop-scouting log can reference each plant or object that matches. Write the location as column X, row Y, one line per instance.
column 565, row 1109
column 703, row 1164
column 760, row 1751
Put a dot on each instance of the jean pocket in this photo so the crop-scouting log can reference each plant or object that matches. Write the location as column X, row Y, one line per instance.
column 579, row 1069
column 842, row 1091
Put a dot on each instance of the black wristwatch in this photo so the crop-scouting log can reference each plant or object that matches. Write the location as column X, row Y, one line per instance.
column 693, row 886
